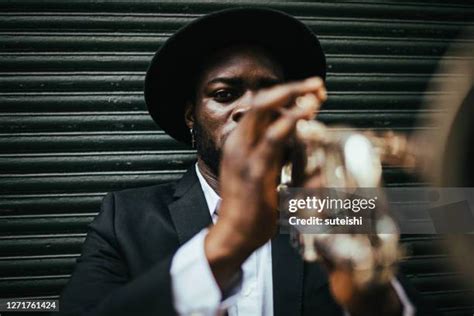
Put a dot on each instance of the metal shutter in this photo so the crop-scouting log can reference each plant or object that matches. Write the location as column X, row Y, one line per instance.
column 73, row 124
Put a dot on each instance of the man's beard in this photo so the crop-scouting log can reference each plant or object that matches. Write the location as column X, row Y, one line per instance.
column 207, row 149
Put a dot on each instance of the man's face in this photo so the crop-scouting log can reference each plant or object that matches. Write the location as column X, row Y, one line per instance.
column 223, row 93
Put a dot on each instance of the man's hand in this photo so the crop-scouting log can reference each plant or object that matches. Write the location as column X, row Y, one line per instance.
column 252, row 159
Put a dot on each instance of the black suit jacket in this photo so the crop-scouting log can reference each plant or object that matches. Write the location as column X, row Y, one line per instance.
column 125, row 264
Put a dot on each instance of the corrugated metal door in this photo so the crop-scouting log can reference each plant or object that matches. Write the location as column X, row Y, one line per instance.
column 73, row 124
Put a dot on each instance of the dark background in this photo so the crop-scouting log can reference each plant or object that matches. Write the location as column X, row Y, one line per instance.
column 73, row 123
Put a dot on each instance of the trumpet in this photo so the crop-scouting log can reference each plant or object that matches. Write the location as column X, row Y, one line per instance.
column 346, row 158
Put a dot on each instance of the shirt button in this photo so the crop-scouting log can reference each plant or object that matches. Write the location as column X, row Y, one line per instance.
column 248, row 290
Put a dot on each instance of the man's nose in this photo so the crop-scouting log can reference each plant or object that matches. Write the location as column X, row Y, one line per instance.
column 244, row 104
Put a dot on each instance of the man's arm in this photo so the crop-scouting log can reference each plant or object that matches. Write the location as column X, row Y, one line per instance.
column 101, row 282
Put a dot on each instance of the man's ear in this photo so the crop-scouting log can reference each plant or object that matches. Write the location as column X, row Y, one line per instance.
column 189, row 114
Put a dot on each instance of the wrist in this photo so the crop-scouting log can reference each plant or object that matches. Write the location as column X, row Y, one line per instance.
column 225, row 253
column 225, row 244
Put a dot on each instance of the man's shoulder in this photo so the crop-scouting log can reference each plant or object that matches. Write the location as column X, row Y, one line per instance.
column 131, row 209
column 154, row 193
column 154, row 199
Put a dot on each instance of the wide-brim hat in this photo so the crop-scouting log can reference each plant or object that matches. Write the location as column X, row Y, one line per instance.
column 170, row 78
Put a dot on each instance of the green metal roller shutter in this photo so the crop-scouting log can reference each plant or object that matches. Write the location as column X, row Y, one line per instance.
column 73, row 124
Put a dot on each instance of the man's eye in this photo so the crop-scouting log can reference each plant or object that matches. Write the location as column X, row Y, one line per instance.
column 225, row 95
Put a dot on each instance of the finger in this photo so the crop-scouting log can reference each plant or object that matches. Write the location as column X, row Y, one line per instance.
column 254, row 125
column 309, row 104
column 274, row 140
column 284, row 95
column 306, row 107
column 322, row 94
column 269, row 102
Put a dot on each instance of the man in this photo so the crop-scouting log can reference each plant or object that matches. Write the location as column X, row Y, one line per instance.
column 226, row 84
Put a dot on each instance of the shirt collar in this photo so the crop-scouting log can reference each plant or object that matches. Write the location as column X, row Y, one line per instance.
column 212, row 199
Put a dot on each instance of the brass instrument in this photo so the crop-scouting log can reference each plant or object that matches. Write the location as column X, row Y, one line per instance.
column 344, row 158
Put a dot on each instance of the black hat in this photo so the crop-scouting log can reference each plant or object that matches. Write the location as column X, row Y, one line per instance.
column 170, row 78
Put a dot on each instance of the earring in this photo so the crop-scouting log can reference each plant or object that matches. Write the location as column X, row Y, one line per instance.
column 193, row 141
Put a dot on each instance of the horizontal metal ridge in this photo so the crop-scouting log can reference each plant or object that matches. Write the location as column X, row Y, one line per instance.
column 39, row 257
column 62, row 163
column 75, row 82
column 133, row 61
column 161, row 36
column 55, row 195
column 451, row 298
column 145, row 42
column 89, row 154
column 445, row 281
column 42, row 236
column 172, row 22
column 84, row 183
column 141, row 113
column 46, row 216
column 139, row 55
column 35, row 277
column 138, row 121
column 157, row 134
column 140, row 93
column 37, row 267
column 46, row 224
column 6, row 176
column 410, row 10
column 98, row 174
column 162, row 17
column 141, row 74
column 79, row 93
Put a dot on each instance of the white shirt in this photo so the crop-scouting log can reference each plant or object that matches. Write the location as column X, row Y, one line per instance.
column 196, row 292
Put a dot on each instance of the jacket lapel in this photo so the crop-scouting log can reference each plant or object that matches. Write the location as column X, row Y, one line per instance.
column 189, row 211
column 287, row 272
